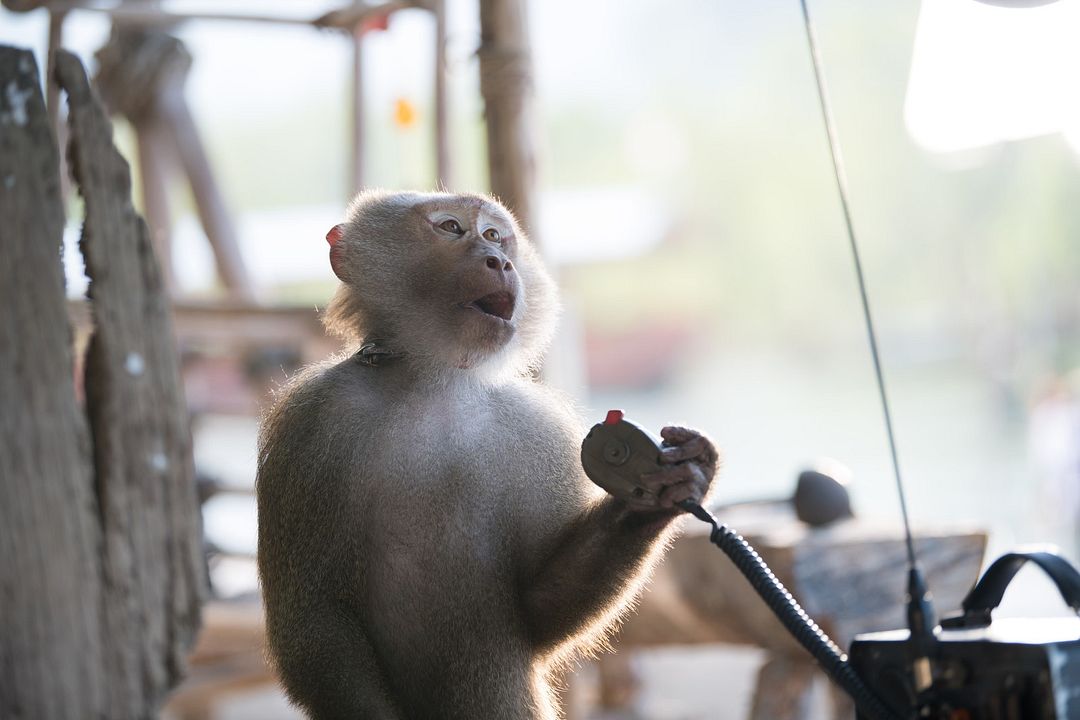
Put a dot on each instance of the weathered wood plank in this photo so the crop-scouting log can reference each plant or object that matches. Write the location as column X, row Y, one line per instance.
column 49, row 583
column 151, row 555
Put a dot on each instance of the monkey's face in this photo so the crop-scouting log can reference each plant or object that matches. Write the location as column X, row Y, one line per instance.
column 443, row 276
column 465, row 274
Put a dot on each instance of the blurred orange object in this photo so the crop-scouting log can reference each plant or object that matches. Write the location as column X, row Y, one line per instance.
column 404, row 113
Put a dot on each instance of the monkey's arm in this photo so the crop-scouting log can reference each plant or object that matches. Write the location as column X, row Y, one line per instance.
column 595, row 567
column 602, row 557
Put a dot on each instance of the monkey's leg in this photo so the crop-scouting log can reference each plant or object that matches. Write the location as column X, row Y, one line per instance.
column 330, row 669
column 593, row 569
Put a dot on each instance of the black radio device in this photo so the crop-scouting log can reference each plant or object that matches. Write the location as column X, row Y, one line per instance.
column 969, row 668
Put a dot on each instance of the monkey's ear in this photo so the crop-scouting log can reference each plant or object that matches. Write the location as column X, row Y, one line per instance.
column 336, row 260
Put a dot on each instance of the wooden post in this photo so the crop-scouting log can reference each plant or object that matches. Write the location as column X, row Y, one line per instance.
column 156, row 165
column 56, row 36
column 49, row 588
column 357, row 166
column 102, row 578
column 506, row 83
column 52, row 95
column 209, row 202
column 442, row 141
column 141, row 74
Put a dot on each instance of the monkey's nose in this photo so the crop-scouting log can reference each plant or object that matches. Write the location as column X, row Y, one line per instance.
column 493, row 262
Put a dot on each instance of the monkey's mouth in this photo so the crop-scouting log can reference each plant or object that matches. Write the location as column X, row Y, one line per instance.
column 497, row 304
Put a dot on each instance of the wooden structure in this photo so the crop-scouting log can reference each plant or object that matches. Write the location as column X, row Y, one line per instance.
column 103, row 576
column 506, row 82
column 147, row 585
column 849, row 576
column 142, row 73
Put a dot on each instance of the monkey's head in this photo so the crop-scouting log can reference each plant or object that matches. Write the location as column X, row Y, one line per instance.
column 449, row 280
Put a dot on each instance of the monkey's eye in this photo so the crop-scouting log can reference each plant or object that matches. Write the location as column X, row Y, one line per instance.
column 451, row 226
column 492, row 235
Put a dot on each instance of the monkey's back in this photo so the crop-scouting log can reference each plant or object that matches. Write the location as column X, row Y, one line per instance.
column 392, row 508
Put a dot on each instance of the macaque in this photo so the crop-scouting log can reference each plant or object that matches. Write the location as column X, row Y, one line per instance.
column 429, row 545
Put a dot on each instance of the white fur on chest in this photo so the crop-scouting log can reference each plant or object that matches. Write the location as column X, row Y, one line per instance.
column 450, row 441
column 499, row 465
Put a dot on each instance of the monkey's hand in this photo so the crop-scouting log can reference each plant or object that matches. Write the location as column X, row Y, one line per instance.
column 689, row 461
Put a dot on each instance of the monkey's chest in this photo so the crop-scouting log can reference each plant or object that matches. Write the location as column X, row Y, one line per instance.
column 472, row 484
column 493, row 444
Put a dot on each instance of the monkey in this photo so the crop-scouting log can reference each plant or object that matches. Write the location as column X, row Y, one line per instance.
column 428, row 543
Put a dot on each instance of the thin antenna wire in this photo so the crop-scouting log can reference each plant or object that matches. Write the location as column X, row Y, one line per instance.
column 841, row 185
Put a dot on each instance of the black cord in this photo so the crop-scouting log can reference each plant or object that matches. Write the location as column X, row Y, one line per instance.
column 787, row 609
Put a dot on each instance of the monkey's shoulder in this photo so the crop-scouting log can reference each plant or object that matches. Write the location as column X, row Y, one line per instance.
column 321, row 398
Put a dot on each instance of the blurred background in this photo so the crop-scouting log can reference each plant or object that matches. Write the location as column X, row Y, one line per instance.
column 687, row 206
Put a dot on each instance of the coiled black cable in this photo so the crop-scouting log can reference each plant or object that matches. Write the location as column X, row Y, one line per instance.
column 832, row 660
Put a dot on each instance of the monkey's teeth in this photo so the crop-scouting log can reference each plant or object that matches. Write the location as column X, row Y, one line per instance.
column 499, row 304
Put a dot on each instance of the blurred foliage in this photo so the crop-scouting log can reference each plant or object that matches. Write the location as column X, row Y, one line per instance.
column 954, row 247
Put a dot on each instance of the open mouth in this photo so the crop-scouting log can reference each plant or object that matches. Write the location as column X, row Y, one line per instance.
column 497, row 304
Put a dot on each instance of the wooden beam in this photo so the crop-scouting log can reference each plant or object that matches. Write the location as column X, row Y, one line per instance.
column 443, row 168
column 343, row 19
column 213, row 214
column 506, row 83
column 52, row 91
column 156, row 166
column 357, row 165
column 52, row 96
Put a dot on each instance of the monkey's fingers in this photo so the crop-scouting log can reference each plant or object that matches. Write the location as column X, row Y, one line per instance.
column 674, row 475
column 676, row 434
column 691, row 448
column 675, row 494
column 680, row 437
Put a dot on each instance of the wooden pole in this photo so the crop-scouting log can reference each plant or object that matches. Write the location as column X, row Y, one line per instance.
column 141, row 74
column 442, row 143
column 156, row 166
column 506, row 83
column 357, row 168
column 52, row 96
column 209, row 202
column 152, row 15
column 52, row 90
